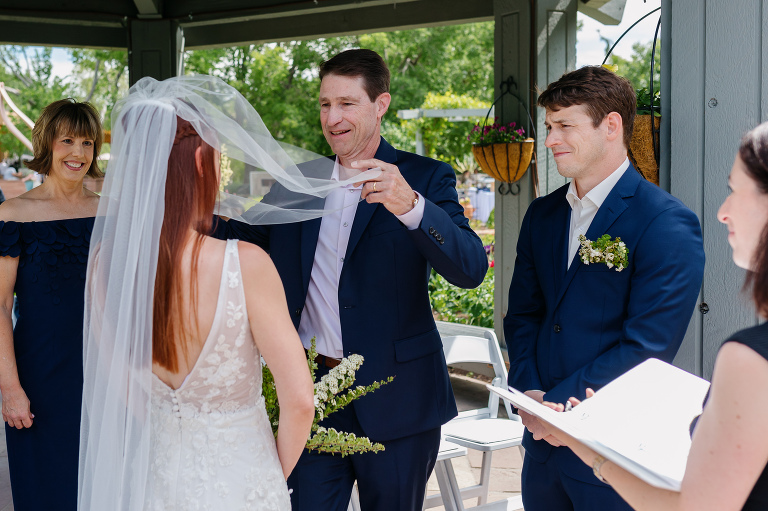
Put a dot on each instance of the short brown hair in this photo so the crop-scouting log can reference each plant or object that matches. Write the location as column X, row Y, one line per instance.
column 364, row 63
column 65, row 117
column 599, row 90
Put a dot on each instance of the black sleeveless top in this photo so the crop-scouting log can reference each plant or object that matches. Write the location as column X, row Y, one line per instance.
column 755, row 338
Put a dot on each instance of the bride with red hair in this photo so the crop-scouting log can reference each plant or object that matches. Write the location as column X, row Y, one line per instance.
column 177, row 322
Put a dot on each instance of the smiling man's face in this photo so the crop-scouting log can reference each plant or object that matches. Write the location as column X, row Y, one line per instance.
column 350, row 120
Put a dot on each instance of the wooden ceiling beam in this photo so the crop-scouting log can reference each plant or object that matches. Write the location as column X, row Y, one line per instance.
column 378, row 18
column 148, row 9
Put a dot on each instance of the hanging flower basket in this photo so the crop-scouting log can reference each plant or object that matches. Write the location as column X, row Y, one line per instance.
column 641, row 151
column 505, row 162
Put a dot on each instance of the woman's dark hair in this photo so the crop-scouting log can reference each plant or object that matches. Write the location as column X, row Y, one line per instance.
column 65, row 117
column 599, row 90
column 364, row 63
column 753, row 152
column 190, row 196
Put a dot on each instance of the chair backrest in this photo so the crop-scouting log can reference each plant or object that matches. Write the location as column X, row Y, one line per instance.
column 483, row 350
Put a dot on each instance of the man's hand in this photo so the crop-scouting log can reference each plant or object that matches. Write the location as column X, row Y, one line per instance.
column 389, row 189
column 533, row 424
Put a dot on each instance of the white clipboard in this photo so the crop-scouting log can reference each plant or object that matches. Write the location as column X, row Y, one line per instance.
column 640, row 421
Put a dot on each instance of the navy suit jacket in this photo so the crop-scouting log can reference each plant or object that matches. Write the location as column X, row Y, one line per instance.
column 383, row 298
column 570, row 329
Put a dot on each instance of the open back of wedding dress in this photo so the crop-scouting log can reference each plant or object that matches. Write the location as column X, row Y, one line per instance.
column 212, row 447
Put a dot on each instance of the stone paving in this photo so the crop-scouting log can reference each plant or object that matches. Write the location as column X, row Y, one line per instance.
column 470, row 393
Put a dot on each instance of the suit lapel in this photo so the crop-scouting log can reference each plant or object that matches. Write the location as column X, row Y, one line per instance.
column 365, row 211
column 561, row 220
column 611, row 209
column 362, row 218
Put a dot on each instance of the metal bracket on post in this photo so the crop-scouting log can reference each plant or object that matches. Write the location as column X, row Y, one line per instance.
column 506, row 88
column 655, row 132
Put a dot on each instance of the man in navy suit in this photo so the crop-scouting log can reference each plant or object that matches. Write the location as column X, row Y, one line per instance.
column 357, row 280
column 572, row 326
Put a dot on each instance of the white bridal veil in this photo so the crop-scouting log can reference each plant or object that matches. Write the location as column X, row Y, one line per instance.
column 117, row 333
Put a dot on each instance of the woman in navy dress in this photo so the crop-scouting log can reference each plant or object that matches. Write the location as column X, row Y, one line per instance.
column 44, row 237
column 727, row 466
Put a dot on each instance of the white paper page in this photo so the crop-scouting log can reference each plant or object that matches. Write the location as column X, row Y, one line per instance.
column 643, row 416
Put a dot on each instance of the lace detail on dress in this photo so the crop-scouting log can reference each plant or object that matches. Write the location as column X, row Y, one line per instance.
column 213, row 447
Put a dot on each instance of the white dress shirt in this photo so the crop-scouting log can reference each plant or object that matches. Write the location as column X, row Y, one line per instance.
column 320, row 317
column 583, row 210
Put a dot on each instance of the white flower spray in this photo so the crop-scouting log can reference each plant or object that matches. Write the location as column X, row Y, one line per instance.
column 330, row 396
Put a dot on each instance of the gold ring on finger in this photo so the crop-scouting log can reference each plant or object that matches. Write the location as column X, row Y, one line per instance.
column 374, row 187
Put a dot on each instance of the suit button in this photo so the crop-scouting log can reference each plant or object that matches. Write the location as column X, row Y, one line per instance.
column 297, row 312
column 431, row 230
column 442, row 241
column 557, row 329
column 439, row 237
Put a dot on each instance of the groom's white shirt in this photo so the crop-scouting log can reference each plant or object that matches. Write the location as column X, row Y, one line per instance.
column 320, row 317
column 583, row 211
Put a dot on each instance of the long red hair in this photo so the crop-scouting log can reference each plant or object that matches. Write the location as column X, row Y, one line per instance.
column 190, row 196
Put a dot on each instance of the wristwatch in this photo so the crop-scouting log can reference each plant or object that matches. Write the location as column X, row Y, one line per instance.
column 596, row 466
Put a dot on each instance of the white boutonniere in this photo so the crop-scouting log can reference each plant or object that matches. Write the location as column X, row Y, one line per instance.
column 612, row 252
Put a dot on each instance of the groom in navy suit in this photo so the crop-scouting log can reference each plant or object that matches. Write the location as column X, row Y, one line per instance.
column 570, row 325
column 357, row 280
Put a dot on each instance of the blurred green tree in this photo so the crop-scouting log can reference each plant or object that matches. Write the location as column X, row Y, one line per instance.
column 281, row 79
column 444, row 138
column 28, row 73
column 637, row 69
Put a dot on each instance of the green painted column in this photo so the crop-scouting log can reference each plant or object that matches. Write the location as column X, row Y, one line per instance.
column 535, row 44
column 155, row 49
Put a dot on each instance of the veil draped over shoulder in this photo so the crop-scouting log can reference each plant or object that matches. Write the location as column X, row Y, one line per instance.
column 117, row 332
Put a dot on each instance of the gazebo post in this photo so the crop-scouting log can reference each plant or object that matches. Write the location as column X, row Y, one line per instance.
column 155, row 48
column 535, row 43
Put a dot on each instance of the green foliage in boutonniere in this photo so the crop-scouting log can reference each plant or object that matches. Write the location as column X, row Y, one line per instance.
column 612, row 252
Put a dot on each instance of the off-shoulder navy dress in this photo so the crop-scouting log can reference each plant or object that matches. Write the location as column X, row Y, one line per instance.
column 48, row 342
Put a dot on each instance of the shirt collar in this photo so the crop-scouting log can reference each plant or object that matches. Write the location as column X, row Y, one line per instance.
column 335, row 177
column 599, row 193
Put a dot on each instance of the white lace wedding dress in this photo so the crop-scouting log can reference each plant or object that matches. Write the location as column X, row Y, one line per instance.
column 212, row 445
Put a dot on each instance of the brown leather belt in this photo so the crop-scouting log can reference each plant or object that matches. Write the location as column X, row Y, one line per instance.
column 328, row 362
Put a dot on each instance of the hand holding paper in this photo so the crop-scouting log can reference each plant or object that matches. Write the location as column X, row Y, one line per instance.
column 532, row 423
column 640, row 421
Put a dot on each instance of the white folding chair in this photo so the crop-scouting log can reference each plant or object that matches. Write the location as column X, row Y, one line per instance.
column 354, row 500
column 450, row 493
column 510, row 504
column 449, row 496
column 481, row 429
